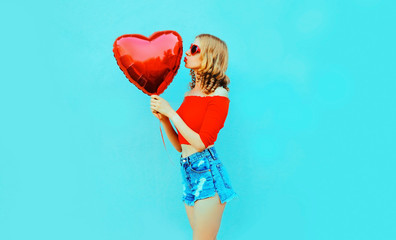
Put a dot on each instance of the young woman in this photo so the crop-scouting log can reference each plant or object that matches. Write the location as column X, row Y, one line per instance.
column 206, row 186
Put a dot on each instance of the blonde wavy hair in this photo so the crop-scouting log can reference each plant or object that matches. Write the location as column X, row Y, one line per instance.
column 214, row 56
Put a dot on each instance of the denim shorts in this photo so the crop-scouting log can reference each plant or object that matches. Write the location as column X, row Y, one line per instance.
column 203, row 175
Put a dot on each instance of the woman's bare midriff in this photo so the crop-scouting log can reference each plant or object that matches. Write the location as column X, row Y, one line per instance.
column 188, row 150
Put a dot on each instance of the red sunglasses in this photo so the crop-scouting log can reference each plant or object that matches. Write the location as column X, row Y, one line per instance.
column 194, row 49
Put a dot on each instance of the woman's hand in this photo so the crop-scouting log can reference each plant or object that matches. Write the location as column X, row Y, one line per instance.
column 160, row 107
column 158, row 115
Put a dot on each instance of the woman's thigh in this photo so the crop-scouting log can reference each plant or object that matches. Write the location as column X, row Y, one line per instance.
column 190, row 214
column 207, row 217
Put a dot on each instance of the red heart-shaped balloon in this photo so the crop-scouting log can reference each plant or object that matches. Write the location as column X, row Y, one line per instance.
column 149, row 63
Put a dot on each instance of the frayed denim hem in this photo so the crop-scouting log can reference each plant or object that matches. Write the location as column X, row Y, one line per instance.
column 229, row 198
column 191, row 203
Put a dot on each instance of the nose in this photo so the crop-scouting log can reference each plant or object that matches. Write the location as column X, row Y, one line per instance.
column 188, row 52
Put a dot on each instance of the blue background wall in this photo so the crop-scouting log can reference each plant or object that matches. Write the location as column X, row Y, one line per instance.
column 309, row 141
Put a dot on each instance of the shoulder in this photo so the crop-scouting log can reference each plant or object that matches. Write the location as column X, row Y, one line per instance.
column 220, row 91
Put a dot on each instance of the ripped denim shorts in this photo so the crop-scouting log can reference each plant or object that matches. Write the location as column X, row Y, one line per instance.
column 203, row 175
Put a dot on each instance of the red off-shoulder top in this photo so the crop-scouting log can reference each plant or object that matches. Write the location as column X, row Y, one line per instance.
column 204, row 115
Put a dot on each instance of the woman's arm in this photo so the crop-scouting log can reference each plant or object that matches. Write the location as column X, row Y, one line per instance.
column 170, row 132
column 158, row 104
column 192, row 137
